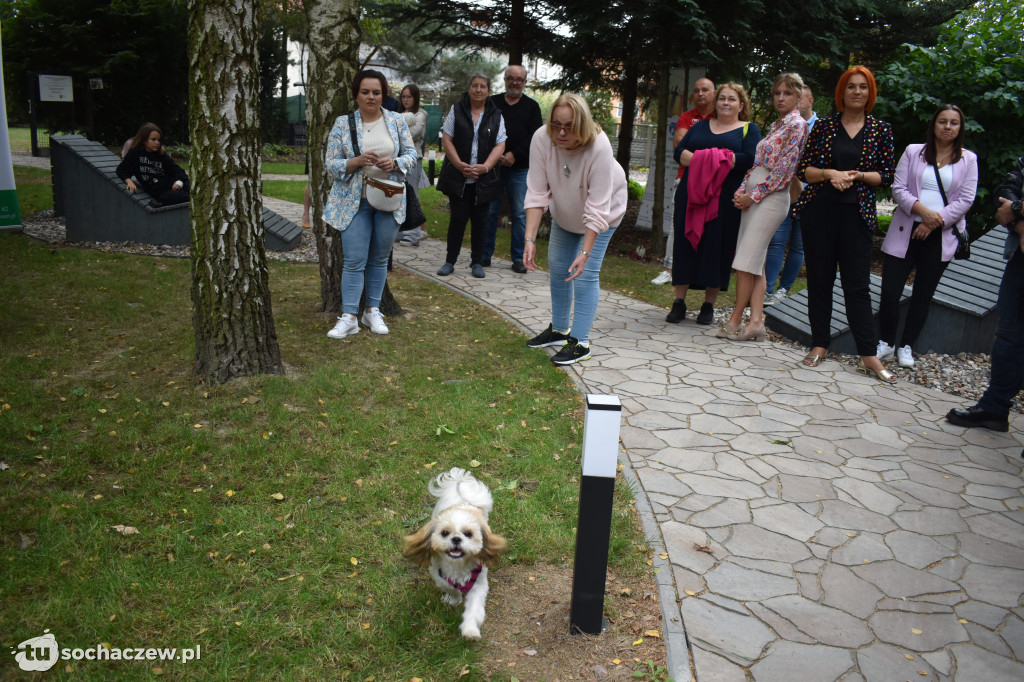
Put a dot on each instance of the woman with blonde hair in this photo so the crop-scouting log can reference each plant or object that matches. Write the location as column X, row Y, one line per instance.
column 717, row 152
column 763, row 196
column 574, row 174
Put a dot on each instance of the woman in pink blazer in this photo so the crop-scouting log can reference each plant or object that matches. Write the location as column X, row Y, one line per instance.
column 921, row 233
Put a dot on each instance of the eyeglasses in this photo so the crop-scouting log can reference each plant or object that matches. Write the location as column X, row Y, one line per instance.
column 510, row 79
column 561, row 128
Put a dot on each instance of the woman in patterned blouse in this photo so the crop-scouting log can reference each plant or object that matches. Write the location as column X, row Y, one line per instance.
column 847, row 157
column 763, row 196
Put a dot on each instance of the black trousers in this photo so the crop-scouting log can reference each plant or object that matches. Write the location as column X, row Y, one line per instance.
column 926, row 256
column 834, row 234
column 463, row 209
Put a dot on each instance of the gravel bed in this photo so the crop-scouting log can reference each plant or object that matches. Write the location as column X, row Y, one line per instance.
column 964, row 374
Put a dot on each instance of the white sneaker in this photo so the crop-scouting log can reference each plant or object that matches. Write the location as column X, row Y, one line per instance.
column 905, row 357
column 776, row 297
column 346, row 326
column 884, row 351
column 374, row 321
column 664, row 277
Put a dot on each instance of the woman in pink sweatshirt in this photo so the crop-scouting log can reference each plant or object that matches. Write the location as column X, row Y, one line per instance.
column 573, row 173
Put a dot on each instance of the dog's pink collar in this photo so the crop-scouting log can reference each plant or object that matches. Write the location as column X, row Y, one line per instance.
column 468, row 584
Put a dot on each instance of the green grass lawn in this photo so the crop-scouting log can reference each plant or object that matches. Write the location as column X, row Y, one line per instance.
column 21, row 138
column 35, row 190
column 270, row 510
column 282, row 168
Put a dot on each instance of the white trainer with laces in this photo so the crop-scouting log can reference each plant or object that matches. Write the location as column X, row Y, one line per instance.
column 346, row 326
column 775, row 297
column 664, row 277
column 374, row 321
column 885, row 351
column 905, row 357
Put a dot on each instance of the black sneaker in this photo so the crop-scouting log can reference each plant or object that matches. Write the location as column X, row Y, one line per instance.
column 548, row 337
column 706, row 314
column 571, row 353
column 678, row 312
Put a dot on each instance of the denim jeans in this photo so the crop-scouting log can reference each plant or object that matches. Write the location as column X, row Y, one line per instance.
column 789, row 230
column 574, row 304
column 366, row 243
column 513, row 180
column 1008, row 346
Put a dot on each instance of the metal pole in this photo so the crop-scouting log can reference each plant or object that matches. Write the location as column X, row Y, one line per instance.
column 594, row 524
column 33, row 102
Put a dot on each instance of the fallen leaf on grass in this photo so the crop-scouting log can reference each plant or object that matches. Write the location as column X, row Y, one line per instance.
column 638, row 642
column 652, row 633
column 354, row 561
column 702, row 548
column 473, row 463
column 277, row 496
column 230, row 493
column 125, row 530
column 3, row 466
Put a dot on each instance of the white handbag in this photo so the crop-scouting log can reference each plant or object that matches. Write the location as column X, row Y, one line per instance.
column 385, row 195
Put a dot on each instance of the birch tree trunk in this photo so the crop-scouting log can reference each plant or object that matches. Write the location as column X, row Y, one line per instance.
column 232, row 316
column 333, row 56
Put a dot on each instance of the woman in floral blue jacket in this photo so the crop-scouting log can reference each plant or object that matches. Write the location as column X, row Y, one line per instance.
column 847, row 157
column 385, row 152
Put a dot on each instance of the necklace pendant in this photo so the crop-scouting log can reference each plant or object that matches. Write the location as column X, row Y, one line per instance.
column 566, row 170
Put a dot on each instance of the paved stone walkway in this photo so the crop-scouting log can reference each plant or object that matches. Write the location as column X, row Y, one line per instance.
column 808, row 524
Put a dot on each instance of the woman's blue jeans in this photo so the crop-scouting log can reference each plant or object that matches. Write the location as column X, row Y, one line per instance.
column 574, row 304
column 366, row 243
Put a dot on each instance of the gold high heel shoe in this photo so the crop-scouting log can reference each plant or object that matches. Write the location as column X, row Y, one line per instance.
column 725, row 333
column 760, row 335
column 885, row 376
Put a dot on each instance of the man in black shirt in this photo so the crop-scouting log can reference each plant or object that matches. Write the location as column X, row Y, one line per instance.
column 522, row 118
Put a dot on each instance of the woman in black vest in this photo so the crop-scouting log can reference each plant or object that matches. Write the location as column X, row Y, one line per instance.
column 473, row 136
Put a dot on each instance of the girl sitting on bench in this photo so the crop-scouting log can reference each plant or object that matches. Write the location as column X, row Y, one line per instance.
column 154, row 169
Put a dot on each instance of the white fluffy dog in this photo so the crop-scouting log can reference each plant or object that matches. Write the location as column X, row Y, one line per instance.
column 457, row 545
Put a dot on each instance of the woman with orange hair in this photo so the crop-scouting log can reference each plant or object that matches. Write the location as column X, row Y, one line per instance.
column 847, row 157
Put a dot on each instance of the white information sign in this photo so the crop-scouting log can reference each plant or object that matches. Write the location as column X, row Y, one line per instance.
column 55, row 89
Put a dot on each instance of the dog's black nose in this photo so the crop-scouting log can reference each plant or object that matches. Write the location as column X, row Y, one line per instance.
column 457, row 540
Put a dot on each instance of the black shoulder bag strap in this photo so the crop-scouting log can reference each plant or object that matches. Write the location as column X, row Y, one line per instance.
column 942, row 190
column 355, row 140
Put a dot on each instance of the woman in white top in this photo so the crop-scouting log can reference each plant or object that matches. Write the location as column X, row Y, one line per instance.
column 921, row 233
column 382, row 150
column 573, row 172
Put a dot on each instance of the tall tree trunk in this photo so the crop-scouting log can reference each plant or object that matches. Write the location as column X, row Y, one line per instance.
column 233, row 320
column 284, row 71
column 629, row 96
column 516, row 31
column 658, row 209
column 333, row 56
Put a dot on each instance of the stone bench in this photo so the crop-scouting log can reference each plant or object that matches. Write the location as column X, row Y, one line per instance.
column 962, row 316
column 97, row 207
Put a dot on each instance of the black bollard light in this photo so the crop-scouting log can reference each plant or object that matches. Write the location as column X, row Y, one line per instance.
column 593, row 527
